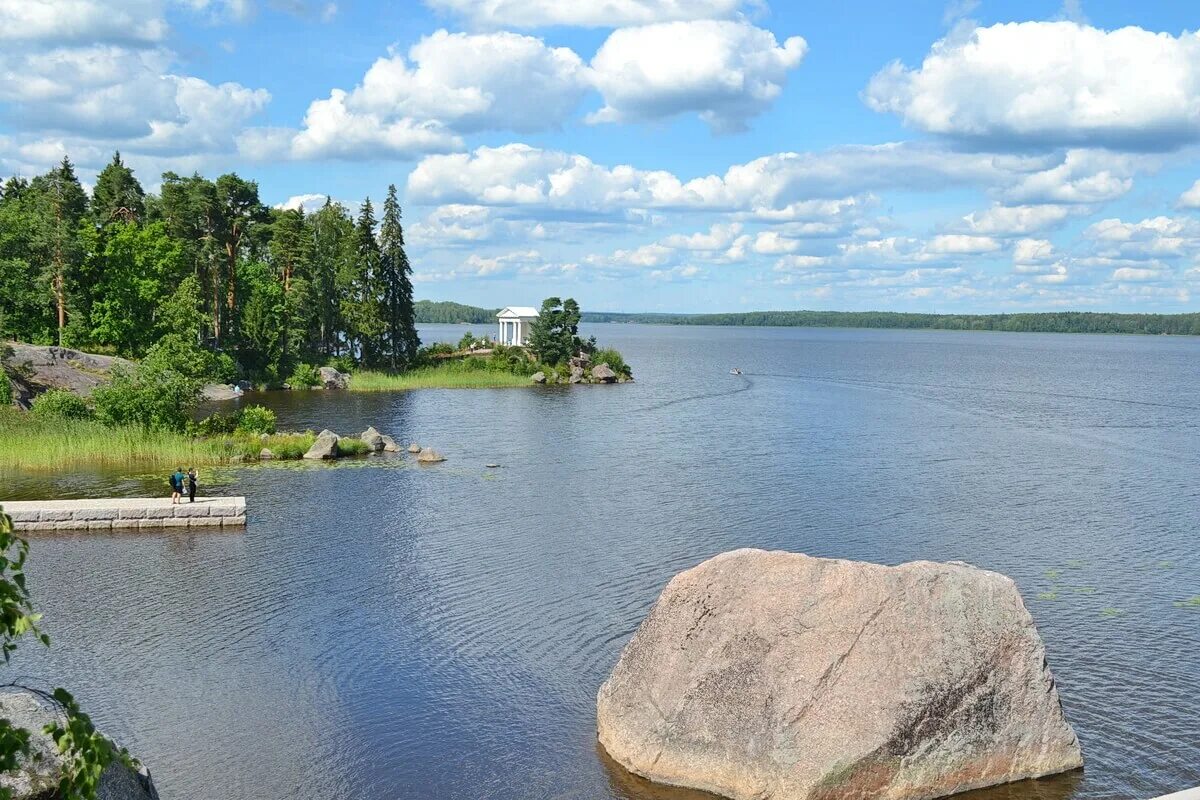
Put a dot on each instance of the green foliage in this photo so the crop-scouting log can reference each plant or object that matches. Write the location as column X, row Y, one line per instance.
column 341, row 363
column 60, row 404
column 554, row 335
column 6, row 393
column 161, row 392
column 86, row 753
column 467, row 341
column 304, row 376
column 446, row 313
column 216, row 424
column 607, row 355
column 256, row 419
column 352, row 447
column 1191, row 602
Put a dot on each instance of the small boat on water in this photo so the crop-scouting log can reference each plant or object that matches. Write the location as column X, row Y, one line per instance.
column 735, row 371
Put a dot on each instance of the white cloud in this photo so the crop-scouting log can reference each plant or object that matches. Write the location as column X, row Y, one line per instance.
column 1158, row 237
column 962, row 244
column 1015, row 220
column 585, row 13
column 1052, row 83
column 725, row 71
column 83, row 21
column 1138, row 274
column 1083, row 176
column 1190, row 198
column 306, row 202
column 719, row 237
column 1033, row 251
column 450, row 84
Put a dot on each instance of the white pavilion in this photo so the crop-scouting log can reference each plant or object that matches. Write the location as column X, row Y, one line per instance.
column 515, row 323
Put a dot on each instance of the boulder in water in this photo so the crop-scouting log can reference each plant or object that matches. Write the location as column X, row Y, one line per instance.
column 332, row 379
column 373, row 439
column 779, row 675
column 37, row 777
column 576, row 375
column 430, row 456
column 538, row 377
column 604, row 373
column 324, row 447
column 389, row 444
column 414, row 448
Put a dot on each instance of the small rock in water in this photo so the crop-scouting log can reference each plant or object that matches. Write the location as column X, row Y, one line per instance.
column 604, row 373
column 389, row 444
column 491, row 466
column 414, row 448
column 373, row 439
column 430, row 456
column 804, row 678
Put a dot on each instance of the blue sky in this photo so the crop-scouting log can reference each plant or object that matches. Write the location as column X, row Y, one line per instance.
column 683, row 155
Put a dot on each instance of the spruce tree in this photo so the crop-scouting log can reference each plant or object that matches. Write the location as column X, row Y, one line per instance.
column 118, row 194
column 402, row 341
column 363, row 310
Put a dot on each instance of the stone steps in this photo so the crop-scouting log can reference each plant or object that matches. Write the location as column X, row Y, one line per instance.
column 126, row 513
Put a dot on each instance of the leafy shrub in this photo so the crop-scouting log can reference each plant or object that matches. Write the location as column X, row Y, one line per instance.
column 60, row 404
column 352, row 447
column 342, row 363
column 304, row 376
column 6, row 393
column 216, row 424
column 256, row 419
column 153, row 396
column 467, row 341
column 224, row 369
column 607, row 355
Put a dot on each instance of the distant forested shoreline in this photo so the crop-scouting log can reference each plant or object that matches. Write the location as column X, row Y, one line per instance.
column 1050, row 322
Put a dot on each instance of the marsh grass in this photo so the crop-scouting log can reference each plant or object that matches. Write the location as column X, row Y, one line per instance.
column 1110, row 613
column 1191, row 602
column 452, row 375
column 1047, row 596
column 30, row 443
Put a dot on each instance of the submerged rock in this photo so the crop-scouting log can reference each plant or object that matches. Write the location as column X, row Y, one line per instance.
column 604, row 373
column 324, row 447
column 430, row 456
column 389, row 444
column 332, row 379
column 38, row 777
column 776, row 674
column 373, row 439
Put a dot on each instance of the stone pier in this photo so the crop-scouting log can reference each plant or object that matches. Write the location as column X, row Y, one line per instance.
column 126, row 513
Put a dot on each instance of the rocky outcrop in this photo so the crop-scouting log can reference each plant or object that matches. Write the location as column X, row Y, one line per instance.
column 37, row 778
column 37, row 368
column 332, row 379
column 373, row 439
column 324, row 447
column 220, row 392
column 429, row 456
column 389, row 444
column 603, row 373
column 778, row 675
column 538, row 377
column 414, row 448
column 576, row 375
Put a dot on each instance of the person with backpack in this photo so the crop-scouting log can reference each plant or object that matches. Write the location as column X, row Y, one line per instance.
column 176, row 485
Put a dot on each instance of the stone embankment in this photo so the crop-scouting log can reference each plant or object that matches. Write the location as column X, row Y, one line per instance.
column 129, row 513
column 779, row 675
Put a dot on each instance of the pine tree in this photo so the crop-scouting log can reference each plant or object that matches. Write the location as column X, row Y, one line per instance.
column 402, row 341
column 118, row 194
column 63, row 205
column 290, row 255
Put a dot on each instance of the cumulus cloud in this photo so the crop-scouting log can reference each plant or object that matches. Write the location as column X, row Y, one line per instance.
column 522, row 175
column 450, row 84
column 84, row 21
column 308, row 203
column 962, row 244
column 585, row 13
column 1154, row 238
column 1028, row 252
column 1002, row 220
column 1051, row 83
column 725, row 71
column 1083, row 176
column 1190, row 198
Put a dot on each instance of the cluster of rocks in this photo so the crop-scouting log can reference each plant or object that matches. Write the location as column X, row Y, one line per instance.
column 581, row 370
column 326, row 447
column 776, row 674
column 36, row 776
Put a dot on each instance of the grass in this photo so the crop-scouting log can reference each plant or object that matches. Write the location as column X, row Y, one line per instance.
column 1191, row 602
column 447, row 376
column 28, row 442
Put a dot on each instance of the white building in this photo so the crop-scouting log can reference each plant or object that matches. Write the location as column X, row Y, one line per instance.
column 515, row 323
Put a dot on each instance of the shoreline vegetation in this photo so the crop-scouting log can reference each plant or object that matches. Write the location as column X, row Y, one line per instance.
column 429, row 312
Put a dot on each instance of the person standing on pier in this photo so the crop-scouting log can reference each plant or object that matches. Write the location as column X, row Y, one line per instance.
column 176, row 485
column 191, row 484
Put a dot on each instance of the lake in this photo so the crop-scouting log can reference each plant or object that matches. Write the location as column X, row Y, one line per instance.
column 382, row 630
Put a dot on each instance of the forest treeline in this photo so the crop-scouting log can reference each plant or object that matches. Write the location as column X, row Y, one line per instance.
column 265, row 289
column 1050, row 322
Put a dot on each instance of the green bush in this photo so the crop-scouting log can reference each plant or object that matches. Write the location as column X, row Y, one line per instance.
column 152, row 397
column 216, row 424
column 60, row 404
column 256, row 419
column 6, row 393
column 342, row 363
column 305, row 376
column 607, row 355
column 467, row 341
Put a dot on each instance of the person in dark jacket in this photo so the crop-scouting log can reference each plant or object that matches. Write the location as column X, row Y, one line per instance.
column 191, row 484
column 176, row 484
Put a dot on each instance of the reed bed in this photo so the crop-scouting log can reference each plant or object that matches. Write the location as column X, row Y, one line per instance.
column 442, row 377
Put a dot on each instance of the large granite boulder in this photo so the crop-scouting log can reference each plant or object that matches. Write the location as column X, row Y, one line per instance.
column 604, row 373
column 332, row 379
column 324, row 447
column 37, row 778
column 373, row 439
column 576, row 375
column 538, row 377
column 389, row 444
column 779, row 675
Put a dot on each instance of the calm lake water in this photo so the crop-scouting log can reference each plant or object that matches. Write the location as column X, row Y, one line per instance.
column 387, row 631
